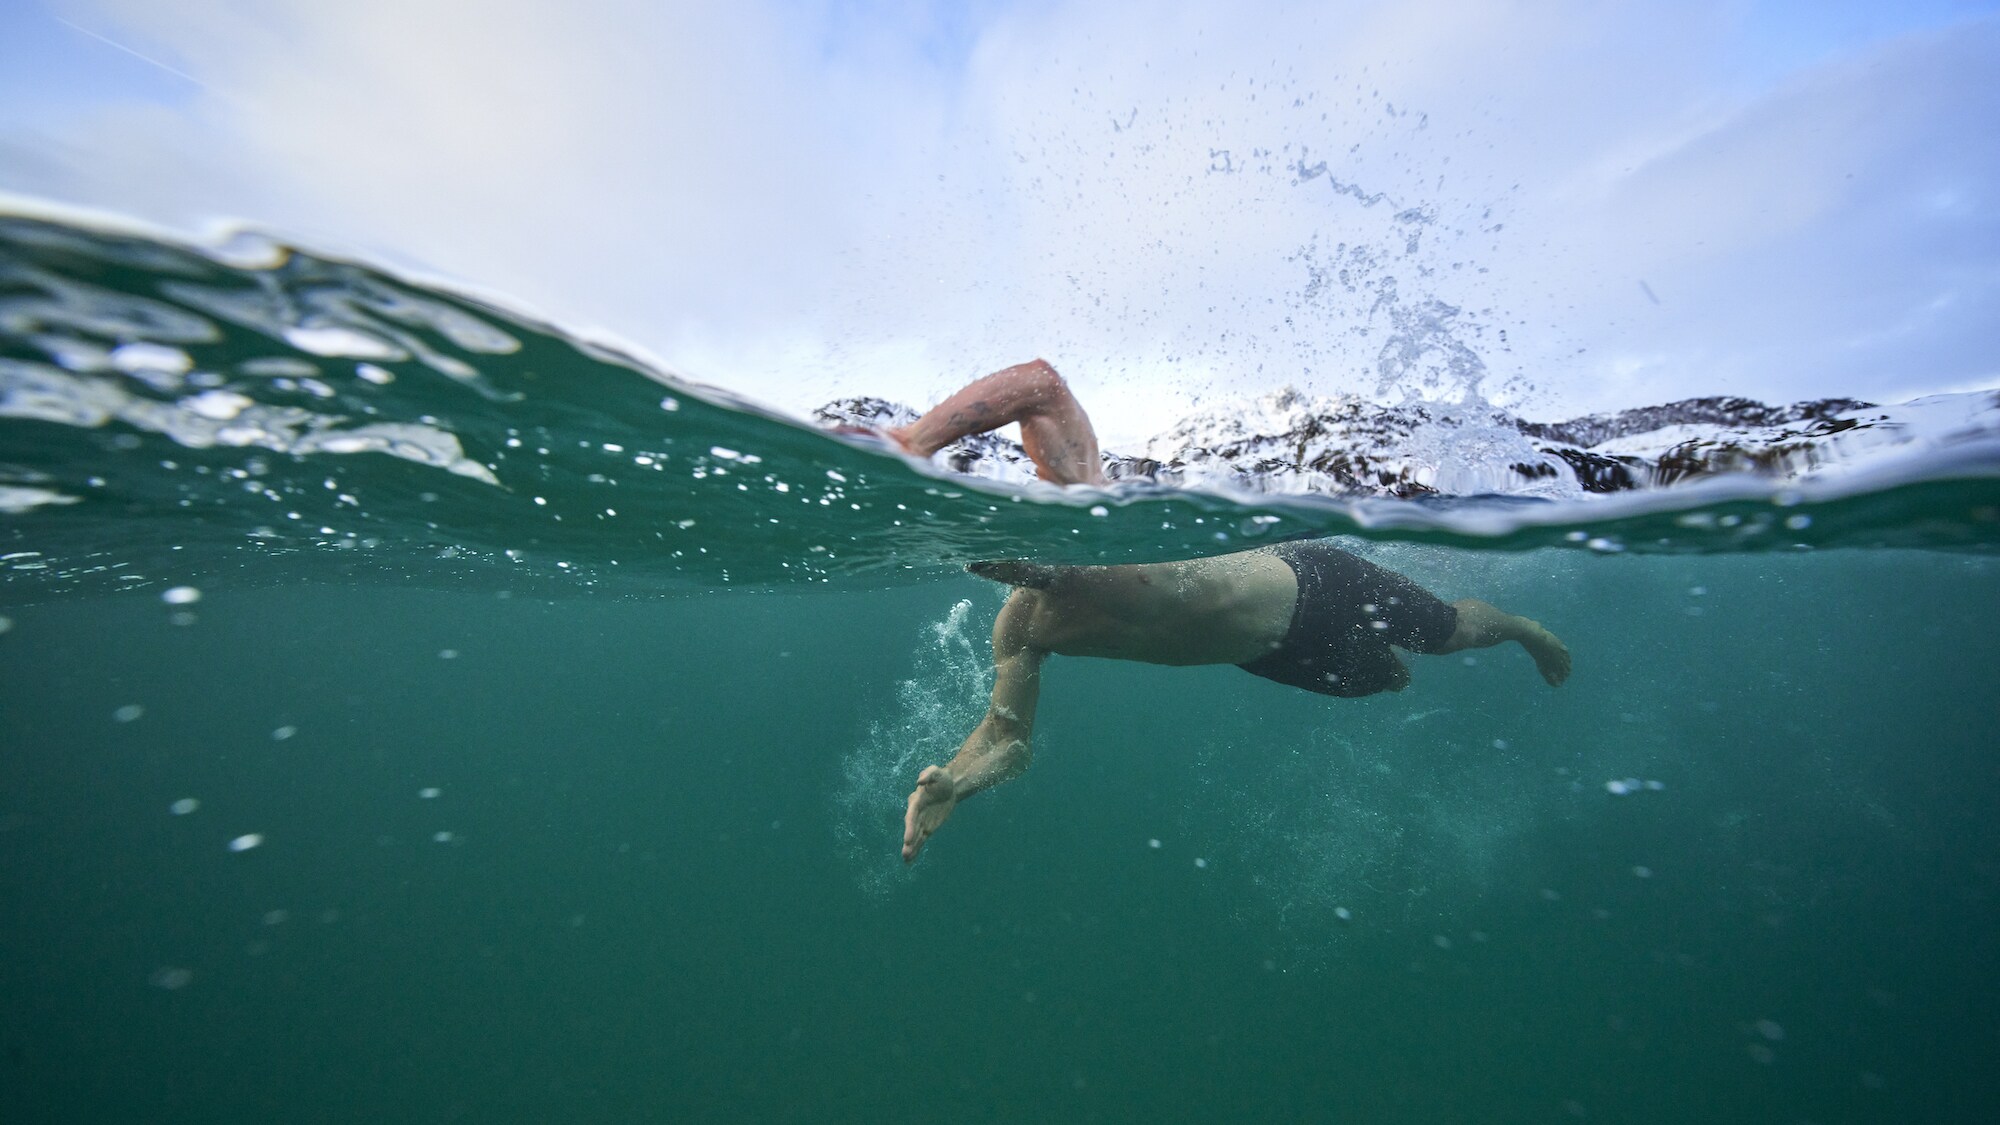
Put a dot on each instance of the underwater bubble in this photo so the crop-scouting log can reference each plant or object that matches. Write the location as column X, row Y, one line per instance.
column 6, row 623
column 335, row 341
column 1760, row 1053
column 143, row 356
column 182, row 618
column 381, row 377
column 447, row 654
column 1099, row 510
column 1153, row 843
column 1499, row 744
column 246, row 841
column 184, row 806
column 128, row 713
column 283, row 733
column 217, row 406
column 1770, row 1029
column 1642, row 871
column 1200, row 862
column 442, row 837
column 171, row 978
column 276, row 917
column 181, row 595
column 1343, row 913
column 1656, row 786
column 429, row 792
column 1617, row 788
column 1441, row 941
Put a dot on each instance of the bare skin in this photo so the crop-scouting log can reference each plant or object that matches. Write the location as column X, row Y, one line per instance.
column 1054, row 429
column 1226, row 610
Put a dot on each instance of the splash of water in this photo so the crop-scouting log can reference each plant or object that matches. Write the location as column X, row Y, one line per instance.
column 947, row 691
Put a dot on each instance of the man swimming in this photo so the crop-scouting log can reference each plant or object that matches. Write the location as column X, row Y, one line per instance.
column 1305, row 613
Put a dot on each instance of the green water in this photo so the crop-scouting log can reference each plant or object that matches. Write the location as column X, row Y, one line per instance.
column 645, row 909
column 593, row 831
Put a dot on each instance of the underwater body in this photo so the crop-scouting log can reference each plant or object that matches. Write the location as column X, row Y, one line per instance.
column 414, row 712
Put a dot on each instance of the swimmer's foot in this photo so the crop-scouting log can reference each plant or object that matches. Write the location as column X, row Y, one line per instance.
column 1551, row 655
column 935, row 796
column 1017, row 572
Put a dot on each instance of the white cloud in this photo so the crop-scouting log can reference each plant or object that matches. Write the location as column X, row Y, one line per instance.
column 796, row 207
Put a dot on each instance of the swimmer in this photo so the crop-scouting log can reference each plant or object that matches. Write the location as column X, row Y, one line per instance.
column 1305, row 613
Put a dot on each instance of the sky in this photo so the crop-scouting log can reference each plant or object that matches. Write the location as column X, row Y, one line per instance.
column 1559, row 207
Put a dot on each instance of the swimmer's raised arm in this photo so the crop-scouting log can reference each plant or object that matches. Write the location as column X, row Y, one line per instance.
column 997, row 750
column 1055, row 432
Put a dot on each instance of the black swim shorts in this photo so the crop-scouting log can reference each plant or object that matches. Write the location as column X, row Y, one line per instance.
column 1348, row 614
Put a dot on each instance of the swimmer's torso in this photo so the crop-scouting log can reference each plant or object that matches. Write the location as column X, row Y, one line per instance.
column 1225, row 610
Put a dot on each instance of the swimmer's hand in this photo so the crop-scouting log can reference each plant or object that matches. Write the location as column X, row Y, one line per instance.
column 1017, row 572
column 935, row 796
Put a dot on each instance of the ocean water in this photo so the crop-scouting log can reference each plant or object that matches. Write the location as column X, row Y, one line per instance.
column 411, row 712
